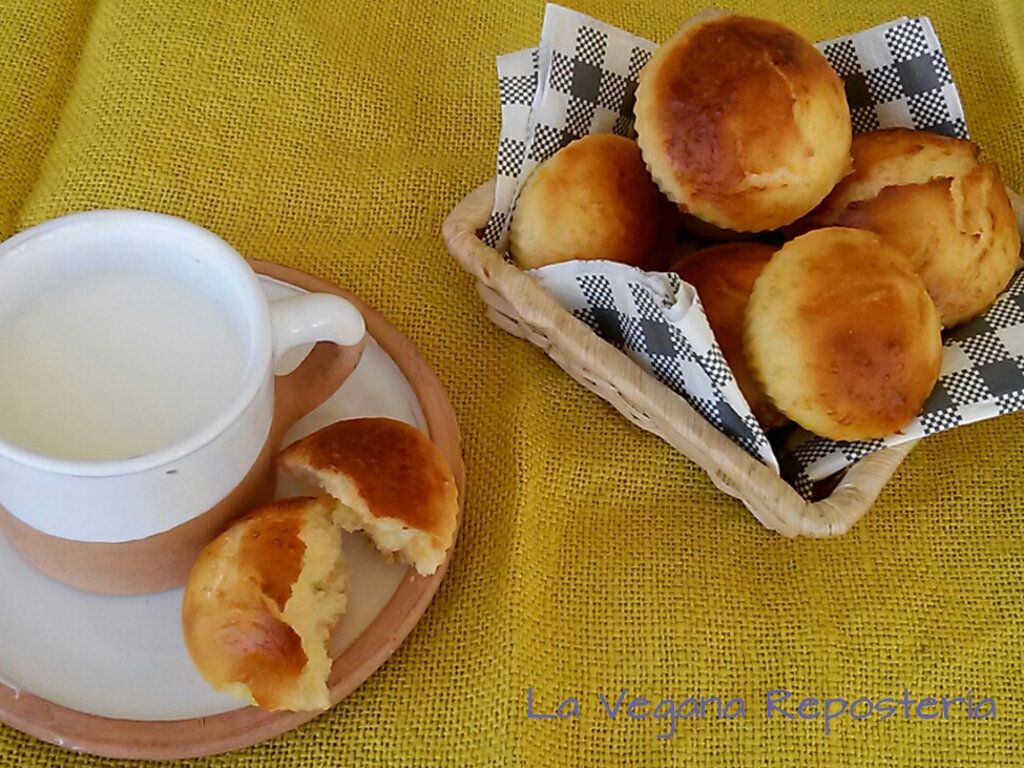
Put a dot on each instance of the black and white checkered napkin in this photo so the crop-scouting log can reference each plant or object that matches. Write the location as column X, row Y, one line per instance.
column 659, row 322
column 896, row 75
column 582, row 78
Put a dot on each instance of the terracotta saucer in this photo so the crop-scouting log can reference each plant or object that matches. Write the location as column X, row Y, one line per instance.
column 44, row 690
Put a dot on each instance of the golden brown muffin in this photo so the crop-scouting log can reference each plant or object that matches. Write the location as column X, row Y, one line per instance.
column 724, row 276
column 593, row 199
column 931, row 197
column 842, row 335
column 261, row 603
column 742, row 122
column 389, row 480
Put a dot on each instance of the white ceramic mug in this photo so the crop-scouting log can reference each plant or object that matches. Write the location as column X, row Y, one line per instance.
column 70, row 516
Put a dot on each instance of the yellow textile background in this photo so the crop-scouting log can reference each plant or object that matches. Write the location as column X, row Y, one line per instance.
column 335, row 136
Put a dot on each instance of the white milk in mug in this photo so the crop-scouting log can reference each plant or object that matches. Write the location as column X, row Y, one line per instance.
column 114, row 364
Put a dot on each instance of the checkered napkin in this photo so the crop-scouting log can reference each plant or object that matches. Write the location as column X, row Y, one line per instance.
column 658, row 320
column 582, row 79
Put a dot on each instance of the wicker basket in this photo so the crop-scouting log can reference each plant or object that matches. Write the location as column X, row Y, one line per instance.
column 517, row 303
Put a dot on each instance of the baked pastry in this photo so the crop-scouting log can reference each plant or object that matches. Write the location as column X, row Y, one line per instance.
column 593, row 199
column 261, row 603
column 931, row 197
column 842, row 335
column 723, row 277
column 388, row 480
column 742, row 122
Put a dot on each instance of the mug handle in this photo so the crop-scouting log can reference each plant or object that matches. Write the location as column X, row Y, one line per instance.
column 339, row 330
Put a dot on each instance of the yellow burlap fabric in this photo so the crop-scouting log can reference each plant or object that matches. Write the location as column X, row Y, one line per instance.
column 334, row 136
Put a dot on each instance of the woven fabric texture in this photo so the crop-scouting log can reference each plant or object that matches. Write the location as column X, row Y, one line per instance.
column 335, row 137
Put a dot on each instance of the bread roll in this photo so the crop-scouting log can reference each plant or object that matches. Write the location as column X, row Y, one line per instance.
column 724, row 276
column 931, row 197
column 593, row 199
column 261, row 603
column 389, row 481
column 842, row 335
column 742, row 122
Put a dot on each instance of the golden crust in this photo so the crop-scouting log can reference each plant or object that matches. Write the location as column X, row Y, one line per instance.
column 593, row 199
column 932, row 198
column 742, row 122
column 389, row 480
column 261, row 602
column 724, row 276
column 843, row 336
